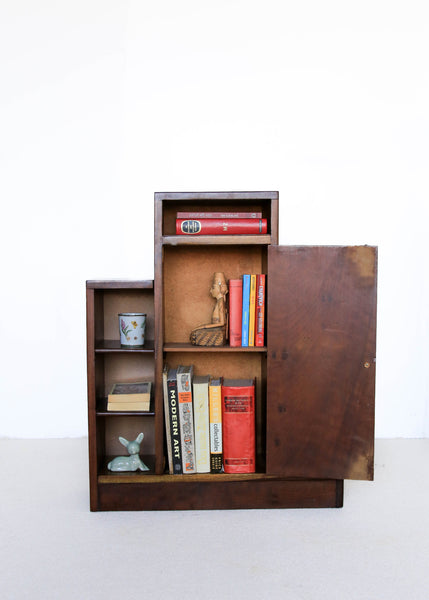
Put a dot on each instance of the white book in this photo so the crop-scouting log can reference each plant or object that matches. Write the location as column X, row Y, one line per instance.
column 201, row 423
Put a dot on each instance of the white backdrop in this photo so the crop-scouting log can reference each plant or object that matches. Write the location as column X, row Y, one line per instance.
column 102, row 103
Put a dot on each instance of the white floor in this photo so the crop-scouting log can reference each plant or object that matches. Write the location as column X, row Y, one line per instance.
column 376, row 547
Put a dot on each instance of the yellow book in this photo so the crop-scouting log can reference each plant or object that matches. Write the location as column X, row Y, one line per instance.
column 252, row 307
column 215, row 412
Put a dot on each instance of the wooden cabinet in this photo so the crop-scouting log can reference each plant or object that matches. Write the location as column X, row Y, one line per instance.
column 314, row 376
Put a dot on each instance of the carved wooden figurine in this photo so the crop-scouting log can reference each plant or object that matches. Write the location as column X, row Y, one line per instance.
column 214, row 333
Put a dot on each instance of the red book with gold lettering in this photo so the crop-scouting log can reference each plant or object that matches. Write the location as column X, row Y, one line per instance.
column 220, row 226
column 238, row 425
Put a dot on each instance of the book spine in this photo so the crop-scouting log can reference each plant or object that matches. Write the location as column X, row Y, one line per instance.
column 220, row 226
column 201, row 423
column 219, row 215
column 167, row 420
column 184, row 394
column 173, row 408
column 245, row 311
column 238, row 422
column 260, row 311
column 235, row 311
column 215, row 409
column 252, row 300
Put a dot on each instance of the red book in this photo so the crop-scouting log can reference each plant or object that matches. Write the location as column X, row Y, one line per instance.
column 219, row 215
column 235, row 311
column 260, row 311
column 238, row 425
column 220, row 226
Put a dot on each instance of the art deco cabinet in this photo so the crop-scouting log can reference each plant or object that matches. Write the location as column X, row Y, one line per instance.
column 315, row 375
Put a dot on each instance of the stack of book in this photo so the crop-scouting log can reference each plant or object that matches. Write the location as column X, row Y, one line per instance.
column 220, row 223
column 130, row 396
column 210, row 422
column 247, row 310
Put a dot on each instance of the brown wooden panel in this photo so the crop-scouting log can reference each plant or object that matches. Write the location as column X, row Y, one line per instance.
column 189, row 495
column 321, row 317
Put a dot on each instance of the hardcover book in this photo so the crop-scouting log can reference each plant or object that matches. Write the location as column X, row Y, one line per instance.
column 215, row 413
column 245, row 311
column 235, row 311
column 184, row 395
column 252, row 300
column 238, row 423
column 219, row 215
column 173, row 409
column 167, row 420
column 220, row 226
column 260, row 311
column 201, row 423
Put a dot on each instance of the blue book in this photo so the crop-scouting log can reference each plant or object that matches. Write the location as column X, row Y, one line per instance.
column 245, row 317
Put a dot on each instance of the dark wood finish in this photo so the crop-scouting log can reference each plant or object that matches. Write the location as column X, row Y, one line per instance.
column 314, row 377
column 321, row 361
column 190, row 494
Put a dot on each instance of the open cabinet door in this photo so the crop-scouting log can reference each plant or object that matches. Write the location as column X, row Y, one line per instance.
column 321, row 326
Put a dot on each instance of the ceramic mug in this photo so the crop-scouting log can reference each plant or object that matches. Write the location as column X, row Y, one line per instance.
column 131, row 329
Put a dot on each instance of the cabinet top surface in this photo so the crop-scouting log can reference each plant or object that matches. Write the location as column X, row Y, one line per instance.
column 159, row 196
column 119, row 284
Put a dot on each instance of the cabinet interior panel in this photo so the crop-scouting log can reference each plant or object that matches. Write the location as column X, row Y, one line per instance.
column 124, row 368
column 117, row 301
column 129, row 428
column 188, row 275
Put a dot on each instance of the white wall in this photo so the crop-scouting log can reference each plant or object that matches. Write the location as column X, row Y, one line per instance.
column 102, row 103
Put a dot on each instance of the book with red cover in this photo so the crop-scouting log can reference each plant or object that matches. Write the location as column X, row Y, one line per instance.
column 235, row 311
column 219, row 215
column 260, row 311
column 238, row 425
column 220, row 226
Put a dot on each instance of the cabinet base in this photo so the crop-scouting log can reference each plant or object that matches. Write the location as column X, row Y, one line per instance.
column 188, row 495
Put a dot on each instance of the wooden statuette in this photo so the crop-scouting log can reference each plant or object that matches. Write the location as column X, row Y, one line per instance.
column 214, row 333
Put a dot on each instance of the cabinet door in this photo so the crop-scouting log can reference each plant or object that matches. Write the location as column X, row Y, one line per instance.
column 321, row 323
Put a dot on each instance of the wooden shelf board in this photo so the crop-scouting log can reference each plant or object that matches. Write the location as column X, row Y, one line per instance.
column 149, row 477
column 104, row 346
column 119, row 284
column 195, row 240
column 180, row 347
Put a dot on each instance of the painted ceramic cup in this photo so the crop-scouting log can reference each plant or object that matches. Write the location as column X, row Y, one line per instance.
column 131, row 329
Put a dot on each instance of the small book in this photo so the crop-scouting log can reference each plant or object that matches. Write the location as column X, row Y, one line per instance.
column 130, row 396
column 252, row 300
column 184, row 395
column 235, row 311
column 173, row 409
column 245, row 311
column 260, row 311
column 218, row 215
column 238, row 424
column 215, row 414
column 201, row 423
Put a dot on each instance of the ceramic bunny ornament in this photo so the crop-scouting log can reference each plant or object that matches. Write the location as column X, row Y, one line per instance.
column 132, row 462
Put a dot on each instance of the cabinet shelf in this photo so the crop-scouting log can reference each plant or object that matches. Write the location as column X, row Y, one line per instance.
column 208, row 240
column 104, row 346
column 179, row 347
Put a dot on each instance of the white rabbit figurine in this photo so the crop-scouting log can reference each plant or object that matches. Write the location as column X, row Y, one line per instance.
column 132, row 462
